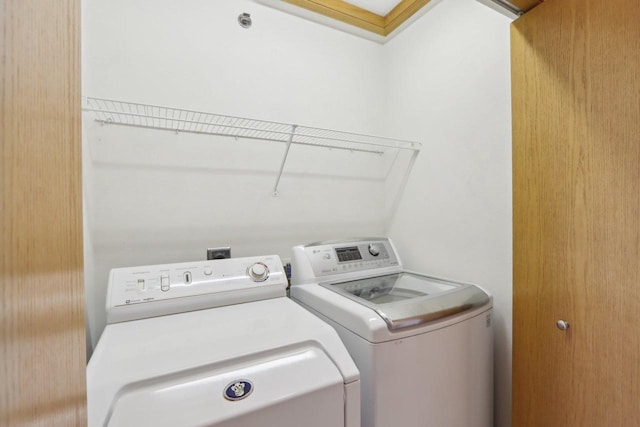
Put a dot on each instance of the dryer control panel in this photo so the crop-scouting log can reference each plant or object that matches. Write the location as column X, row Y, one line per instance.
column 156, row 290
column 342, row 257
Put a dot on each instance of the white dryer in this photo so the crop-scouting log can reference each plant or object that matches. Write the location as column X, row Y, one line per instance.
column 423, row 345
column 217, row 343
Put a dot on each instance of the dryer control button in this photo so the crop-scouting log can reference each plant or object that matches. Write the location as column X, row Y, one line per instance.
column 164, row 283
column 258, row 272
column 374, row 250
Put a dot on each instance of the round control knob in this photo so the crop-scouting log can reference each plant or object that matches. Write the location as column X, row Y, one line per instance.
column 258, row 272
column 373, row 249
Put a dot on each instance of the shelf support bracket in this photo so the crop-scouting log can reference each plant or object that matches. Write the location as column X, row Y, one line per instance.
column 402, row 186
column 284, row 159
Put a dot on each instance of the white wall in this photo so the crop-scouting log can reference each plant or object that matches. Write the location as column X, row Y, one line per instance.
column 154, row 197
column 159, row 197
column 448, row 84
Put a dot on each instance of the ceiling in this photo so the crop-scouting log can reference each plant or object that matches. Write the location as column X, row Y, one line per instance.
column 379, row 7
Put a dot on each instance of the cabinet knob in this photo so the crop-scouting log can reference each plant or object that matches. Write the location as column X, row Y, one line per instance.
column 562, row 325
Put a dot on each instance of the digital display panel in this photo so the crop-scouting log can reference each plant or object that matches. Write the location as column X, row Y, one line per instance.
column 351, row 253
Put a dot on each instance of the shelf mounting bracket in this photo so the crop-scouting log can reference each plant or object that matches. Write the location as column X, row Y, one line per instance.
column 284, row 160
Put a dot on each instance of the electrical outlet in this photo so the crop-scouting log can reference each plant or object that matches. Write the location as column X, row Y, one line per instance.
column 219, row 253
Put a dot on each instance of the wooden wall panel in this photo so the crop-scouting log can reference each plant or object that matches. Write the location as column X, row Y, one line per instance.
column 525, row 4
column 576, row 197
column 42, row 338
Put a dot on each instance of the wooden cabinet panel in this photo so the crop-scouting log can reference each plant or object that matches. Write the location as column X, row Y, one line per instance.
column 576, row 195
column 42, row 338
column 525, row 4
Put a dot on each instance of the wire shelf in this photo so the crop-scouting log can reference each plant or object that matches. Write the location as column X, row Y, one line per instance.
column 108, row 111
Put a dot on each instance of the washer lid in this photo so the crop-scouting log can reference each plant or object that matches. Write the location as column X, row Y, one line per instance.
column 406, row 299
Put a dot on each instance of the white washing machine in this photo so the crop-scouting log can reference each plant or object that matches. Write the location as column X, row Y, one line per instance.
column 217, row 343
column 423, row 345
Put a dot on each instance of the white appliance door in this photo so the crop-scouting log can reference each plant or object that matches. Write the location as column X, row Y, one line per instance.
column 292, row 387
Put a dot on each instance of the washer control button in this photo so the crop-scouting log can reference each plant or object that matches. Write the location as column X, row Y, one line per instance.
column 208, row 271
column 258, row 272
column 374, row 250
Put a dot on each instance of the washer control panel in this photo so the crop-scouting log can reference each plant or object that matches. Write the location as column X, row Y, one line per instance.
column 153, row 290
column 330, row 258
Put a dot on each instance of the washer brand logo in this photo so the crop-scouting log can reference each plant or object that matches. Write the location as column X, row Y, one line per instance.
column 238, row 390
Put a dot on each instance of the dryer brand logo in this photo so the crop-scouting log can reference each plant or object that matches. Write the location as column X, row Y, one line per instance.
column 238, row 390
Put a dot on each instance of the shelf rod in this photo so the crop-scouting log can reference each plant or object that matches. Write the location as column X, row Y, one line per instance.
column 284, row 160
column 182, row 121
column 231, row 135
column 100, row 105
column 160, row 117
column 404, row 145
